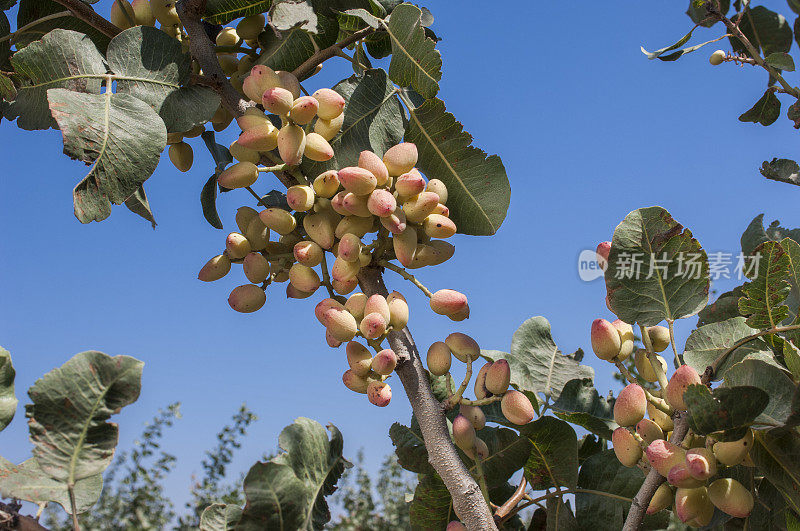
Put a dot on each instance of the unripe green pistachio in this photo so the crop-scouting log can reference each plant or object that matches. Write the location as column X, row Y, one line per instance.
column 289, row 82
column 291, row 144
column 410, row 185
column 165, row 12
column 659, row 337
column 377, row 304
column 228, row 62
column 329, row 339
column 401, row 158
column 395, row 222
column 405, row 245
column 331, row 103
column 606, row 341
column 317, row 148
column 239, row 175
column 662, row 499
column 356, row 304
column 438, row 226
column 343, row 287
column 259, row 138
column 630, row 405
column 398, row 310
column 237, row 246
column 419, row 207
column 323, row 306
column 663, row 420
column 516, row 407
column 438, row 359
column 681, row 379
column 649, row 431
column 358, row 358
column 384, row 362
column 460, row 315
column 373, row 325
column 478, row 451
column 731, row 497
column 373, row 164
column 174, row 138
column 122, row 14
column 247, row 298
column 498, row 377
column 227, row 37
column 320, row 228
column 290, row 240
column 303, row 110
column 278, row 220
column 341, row 324
column 663, row 455
column 257, row 234
column 645, row 368
column 243, row 154
column 250, row 27
column 244, row 215
column 463, row 432
column 355, row 205
column 447, row 301
column 474, row 414
column 424, row 256
column 717, row 57
column 679, row 476
column 300, row 197
column 463, row 347
column 304, row 278
column 626, row 447
column 443, row 251
column 253, row 117
column 438, row 187
column 327, row 183
column 354, row 382
column 328, row 129
column 701, row 463
column 215, row 269
column 626, row 339
column 143, row 13
column 693, row 506
column 734, row 452
column 255, row 267
column 480, row 382
column 294, row 293
column 353, row 225
column 344, row 271
column 379, row 393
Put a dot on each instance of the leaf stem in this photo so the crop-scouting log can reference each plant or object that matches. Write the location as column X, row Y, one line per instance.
column 406, row 275
column 326, row 53
column 74, row 506
column 88, row 15
column 35, row 23
column 711, row 370
column 652, row 357
column 559, row 493
column 480, row 402
column 481, row 477
column 268, row 169
column 670, row 324
column 453, row 399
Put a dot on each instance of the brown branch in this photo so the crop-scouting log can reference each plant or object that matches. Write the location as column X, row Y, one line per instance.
column 653, row 479
column 326, row 53
column 90, row 16
column 505, row 509
column 11, row 519
column 468, row 501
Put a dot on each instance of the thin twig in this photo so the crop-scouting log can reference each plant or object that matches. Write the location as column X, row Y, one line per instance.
column 670, row 324
column 406, row 275
column 326, row 53
column 512, row 502
column 455, row 397
column 88, row 15
column 36, row 22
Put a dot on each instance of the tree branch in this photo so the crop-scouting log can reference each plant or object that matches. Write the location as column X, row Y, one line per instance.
column 11, row 519
column 653, row 479
column 90, row 16
column 468, row 501
column 326, row 53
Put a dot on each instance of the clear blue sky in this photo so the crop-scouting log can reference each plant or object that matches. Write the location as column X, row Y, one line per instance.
column 588, row 129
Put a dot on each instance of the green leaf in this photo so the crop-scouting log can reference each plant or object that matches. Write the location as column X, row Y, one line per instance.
column 119, row 135
column 781, row 61
column 791, row 356
column 766, row 30
column 683, row 40
column 724, row 408
column 288, row 492
column 373, row 120
column 792, row 249
column 220, row 517
column 208, row 202
column 559, row 516
column 410, row 448
column 61, row 59
column 537, row 365
column 289, row 14
column 158, row 68
column 477, row 185
column 28, row 482
column 656, row 269
column 765, row 111
column 30, row 11
column 553, row 460
column 508, row 452
column 415, row 60
column 699, row 14
column 223, row 11
column 708, row 342
column 776, row 453
column 725, row 307
column 770, row 511
column 8, row 400
column 773, row 381
column 5, row 46
column 579, row 403
column 763, row 298
column 289, row 49
column 755, row 234
column 782, row 170
column 139, row 205
column 7, row 89
column 71, row 405
column 431, row 507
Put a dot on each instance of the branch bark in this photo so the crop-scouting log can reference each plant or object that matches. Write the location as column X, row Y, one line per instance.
column 90, row 16
column 326, row 53
column 653, row 479
column 468, row 501
column 11, row 519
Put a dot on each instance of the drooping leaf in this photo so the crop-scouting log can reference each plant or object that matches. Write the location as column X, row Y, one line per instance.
column 221, row 155
column 154, row 69
column 120, row 136
column 28, row 482
column 768, row 31
column 477, row 185
column 373, row 120
column 62, row 58
column 765, row 111
column 773, row 381
column 725, row 307
column 410, row 448
column 139, row 205
column 580, row 403
column 559, row 516
column 208, row 201
column 755, row 234
column 657, row 53
column 288, row 49
column 71, row 406
column 588, row 446
column 764, row 296
column 31, row 11
column 223, row 11
column 288, row 492
column 674, row 56
column 553, row 459
column 290, row 14
column 508, row 452
column 781, row 61
column 782, row 170
column 656, row 269
column 537, row 365
column 415, row 60
column 431, row 507
column 220, row 517
column 776, row 453
column 699, row 14
column 8, row 400
column 707, row 343
column 724, row 408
